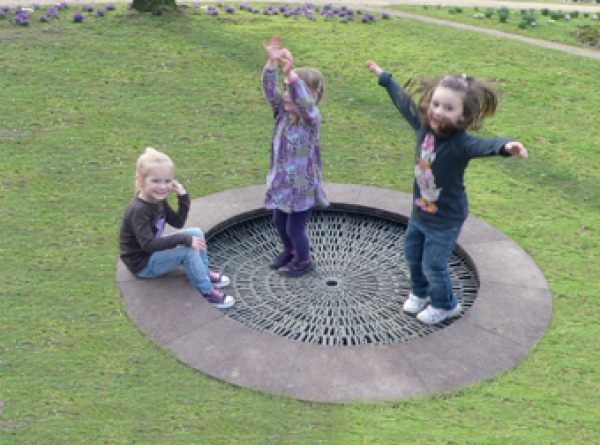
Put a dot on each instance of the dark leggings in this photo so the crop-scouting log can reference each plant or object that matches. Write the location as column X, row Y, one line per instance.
column 291, row 228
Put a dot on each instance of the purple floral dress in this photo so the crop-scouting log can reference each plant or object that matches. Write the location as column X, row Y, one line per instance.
column 294, row 178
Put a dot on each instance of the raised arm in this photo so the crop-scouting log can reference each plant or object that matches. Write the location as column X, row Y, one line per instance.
column 302, row 98
column 401, row 100
column 273, row 51
column 269, row 75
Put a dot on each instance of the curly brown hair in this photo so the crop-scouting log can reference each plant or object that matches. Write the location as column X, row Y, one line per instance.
column 479, row 99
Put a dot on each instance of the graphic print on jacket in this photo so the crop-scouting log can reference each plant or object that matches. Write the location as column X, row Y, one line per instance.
column 424, row 177
column 160, row 225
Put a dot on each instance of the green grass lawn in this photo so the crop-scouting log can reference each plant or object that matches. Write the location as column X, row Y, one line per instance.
column 580, row 29
column 81, row 101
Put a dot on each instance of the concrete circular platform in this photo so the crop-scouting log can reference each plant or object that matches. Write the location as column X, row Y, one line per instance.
column 510, row 315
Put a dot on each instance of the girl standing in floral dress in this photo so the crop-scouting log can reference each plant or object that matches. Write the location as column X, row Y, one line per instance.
column 294, row 185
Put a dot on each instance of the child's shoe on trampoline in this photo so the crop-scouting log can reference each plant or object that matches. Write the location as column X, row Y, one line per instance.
column 432, row 315
column 282, row 259
column 414, row 305
column 297, row 268
column 218, row 299
column 218, row 280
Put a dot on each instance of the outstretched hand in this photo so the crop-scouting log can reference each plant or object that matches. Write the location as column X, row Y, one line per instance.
column 272, row 48
column 374, row 68
column 516, row 148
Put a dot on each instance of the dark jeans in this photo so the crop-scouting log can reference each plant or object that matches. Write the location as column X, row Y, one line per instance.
column 291, row 228
column 427, row 251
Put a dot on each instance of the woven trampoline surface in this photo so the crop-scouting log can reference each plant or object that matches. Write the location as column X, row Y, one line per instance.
column 355, row 295
column 363, row 347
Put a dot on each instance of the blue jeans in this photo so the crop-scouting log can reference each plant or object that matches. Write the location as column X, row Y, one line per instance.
column 194, row 261
column 427, row 251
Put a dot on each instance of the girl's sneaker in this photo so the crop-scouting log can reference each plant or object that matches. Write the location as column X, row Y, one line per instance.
column 282, row 259
column 433, row 315
column 218, row 299
column 218, row 280
column 297, row 268
column 414, row 305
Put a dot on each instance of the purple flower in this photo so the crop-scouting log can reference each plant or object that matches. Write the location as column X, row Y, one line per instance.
column 51, row 12
column 43, row 18
column 327, row 6
column 36, row 6
column 385, row 15
column 100, row 12
column 110, row 7
column 5, row 9
column 87, row 8
column 195, row 5
column 219, row 4
column 2, row 14
column 229, row 9
column 78, row 17
column 365, row 18
column 22, row 19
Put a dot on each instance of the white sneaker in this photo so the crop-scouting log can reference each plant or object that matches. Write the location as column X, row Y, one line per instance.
column 414, row 304
column 432, row 315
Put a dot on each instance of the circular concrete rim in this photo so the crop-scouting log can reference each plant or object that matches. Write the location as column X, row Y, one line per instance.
column 510, row 315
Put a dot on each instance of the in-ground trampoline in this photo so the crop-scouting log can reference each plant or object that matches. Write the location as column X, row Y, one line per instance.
column 338, row 334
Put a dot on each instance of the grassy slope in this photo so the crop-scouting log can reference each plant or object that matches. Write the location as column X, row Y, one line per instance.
column 82, row 101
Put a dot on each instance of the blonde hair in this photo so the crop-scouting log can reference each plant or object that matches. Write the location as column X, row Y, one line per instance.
column 149, row 160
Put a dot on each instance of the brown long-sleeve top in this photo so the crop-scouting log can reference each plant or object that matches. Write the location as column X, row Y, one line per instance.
column 142, row 222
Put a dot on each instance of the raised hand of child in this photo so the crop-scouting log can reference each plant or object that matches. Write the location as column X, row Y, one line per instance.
column 198, row 243
column 272, row 48
column 374, row 68
column 287, row 61
column 178, row 188
column 516, row 148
